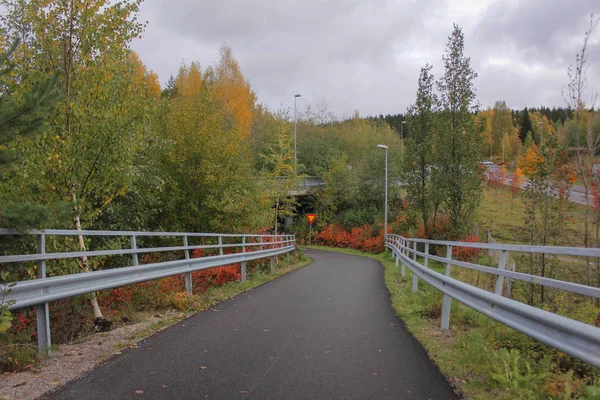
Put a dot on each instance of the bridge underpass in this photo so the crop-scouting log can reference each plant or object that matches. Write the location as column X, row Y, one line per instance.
column 325, row 331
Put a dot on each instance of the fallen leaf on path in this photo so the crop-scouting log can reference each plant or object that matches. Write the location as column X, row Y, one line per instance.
column 139, row 392
column 244, row 392
column 266, row 330
column 203, row 367
column 164, row 386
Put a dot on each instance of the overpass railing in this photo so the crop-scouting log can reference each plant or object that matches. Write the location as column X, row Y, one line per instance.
column 231, row 249
column 572, row 337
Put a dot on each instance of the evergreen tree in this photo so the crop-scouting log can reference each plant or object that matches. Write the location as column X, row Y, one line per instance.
column 524, row 125
column 25, row 115
column 171, row 90
column 20, row 116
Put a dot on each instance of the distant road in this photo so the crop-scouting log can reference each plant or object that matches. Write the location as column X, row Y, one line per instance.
column 577, row 194
column 325, row 331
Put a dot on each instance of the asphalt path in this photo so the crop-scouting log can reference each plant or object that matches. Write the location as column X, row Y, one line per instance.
column 325, row 331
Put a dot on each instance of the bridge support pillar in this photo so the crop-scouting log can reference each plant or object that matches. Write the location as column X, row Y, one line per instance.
column 397, row 260
column 447, row 300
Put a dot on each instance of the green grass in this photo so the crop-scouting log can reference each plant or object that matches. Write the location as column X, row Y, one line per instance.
column 480, row 357
column 503, row 215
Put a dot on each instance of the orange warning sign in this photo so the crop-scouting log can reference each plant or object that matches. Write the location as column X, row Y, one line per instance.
column 311, row 218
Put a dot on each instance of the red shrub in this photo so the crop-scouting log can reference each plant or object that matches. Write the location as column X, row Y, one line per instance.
column 467, row 254
column 360, row 238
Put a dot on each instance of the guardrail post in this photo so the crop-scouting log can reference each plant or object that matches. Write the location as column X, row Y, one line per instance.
column 42, row 314
column 261, row 243
column 188, row 275
column 447, row 300
column 220, row 245
column 243, row 262
column 403, row 252
column 426, row 261
column 415, row 278
column 273, row 264
column 501, row 266
column 134, row 256
column 288, row 240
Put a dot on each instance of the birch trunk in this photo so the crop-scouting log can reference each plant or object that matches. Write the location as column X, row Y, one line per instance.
column 84, row 259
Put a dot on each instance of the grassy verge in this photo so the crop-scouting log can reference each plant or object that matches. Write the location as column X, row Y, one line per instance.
column 480, row 357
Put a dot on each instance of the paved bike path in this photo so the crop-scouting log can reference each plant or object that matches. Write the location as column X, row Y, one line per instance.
column 325, row 331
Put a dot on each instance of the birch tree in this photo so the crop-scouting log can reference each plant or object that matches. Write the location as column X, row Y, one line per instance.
column 85, row 156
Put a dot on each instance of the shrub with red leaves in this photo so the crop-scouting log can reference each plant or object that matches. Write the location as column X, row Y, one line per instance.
column 467, row 254
column 359, row 238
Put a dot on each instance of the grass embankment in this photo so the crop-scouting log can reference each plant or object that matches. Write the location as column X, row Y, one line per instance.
column 480, row 357
column 18, row 354
column 503, row 214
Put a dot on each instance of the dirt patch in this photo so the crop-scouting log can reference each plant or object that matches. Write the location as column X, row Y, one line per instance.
column 72, row 361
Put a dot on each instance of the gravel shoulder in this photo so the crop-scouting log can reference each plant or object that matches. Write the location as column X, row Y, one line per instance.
column 72, row 361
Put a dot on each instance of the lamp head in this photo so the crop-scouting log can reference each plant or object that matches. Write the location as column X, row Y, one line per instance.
column 382, row 146
column 297, row 95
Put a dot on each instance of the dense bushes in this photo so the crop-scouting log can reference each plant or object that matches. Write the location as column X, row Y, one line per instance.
column 365, row 238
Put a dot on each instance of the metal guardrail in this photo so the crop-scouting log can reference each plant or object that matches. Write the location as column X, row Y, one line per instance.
column 38, row 292
column 572, row 337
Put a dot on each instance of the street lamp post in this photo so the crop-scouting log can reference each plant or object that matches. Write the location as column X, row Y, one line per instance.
column 295, row 131
column 541, row 124
column 383, row 146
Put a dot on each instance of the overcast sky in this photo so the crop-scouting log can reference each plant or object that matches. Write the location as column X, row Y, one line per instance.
column 366, row 55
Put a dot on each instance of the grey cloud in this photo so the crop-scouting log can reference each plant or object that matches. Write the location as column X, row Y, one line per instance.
column 540, row 29
column 354, row 54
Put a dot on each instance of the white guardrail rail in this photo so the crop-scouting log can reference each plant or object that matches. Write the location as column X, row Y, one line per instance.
column 572, row 337
column 38, row 292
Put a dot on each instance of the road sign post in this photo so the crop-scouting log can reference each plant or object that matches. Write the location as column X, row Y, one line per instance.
column 310, row 218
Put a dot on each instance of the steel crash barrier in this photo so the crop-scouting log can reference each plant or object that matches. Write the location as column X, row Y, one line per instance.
column 572, row 337
column 39, row 292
